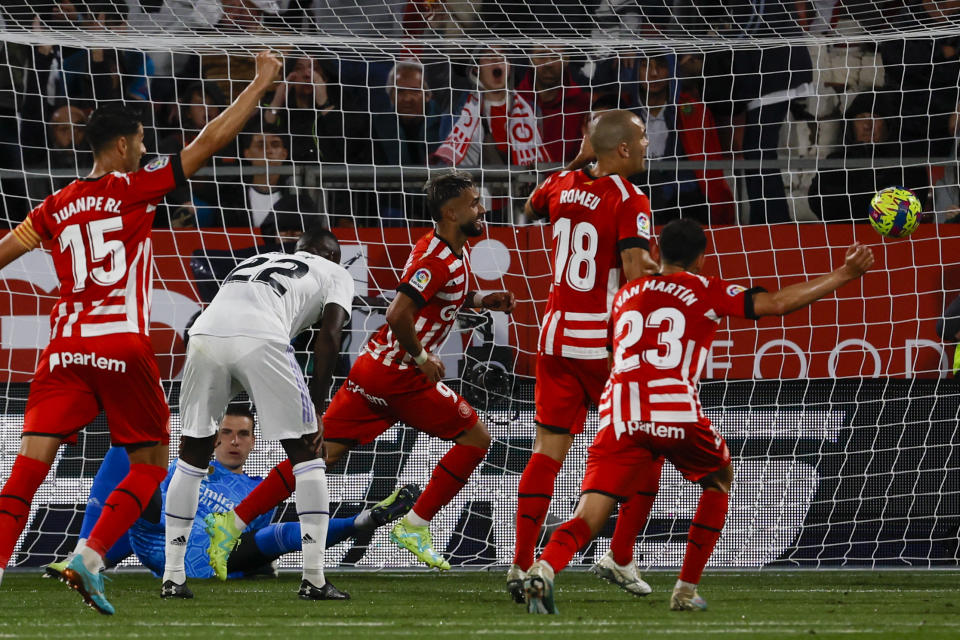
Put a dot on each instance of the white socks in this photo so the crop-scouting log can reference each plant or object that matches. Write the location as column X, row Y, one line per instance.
column 546, row 569
column 684, row 586
column 92, row 560
column 415, row 520
column 313, row 509
column 183, row 495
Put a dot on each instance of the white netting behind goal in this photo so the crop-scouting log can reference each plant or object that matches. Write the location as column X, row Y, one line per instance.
column 765, row 120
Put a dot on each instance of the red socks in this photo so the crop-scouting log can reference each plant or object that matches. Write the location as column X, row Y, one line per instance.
column 533, row 501
column 274, row 489
column 633, row 515
column 15, row 498
column 449, row 477
column 125, row 505
column 704, row 533
column 572, row 536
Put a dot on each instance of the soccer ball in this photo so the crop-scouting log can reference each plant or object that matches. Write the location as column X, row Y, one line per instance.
column 895, row 212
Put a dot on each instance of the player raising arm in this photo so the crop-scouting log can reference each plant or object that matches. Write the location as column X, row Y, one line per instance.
column 663, row 327
column 99, row 356
column 600, row 221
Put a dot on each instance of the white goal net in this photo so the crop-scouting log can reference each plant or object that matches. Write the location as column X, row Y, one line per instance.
column 773, row 123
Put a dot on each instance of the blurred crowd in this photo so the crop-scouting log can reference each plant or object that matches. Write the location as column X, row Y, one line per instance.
column 725, row 126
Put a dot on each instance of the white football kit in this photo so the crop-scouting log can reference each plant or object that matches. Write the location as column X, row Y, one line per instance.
column 242, row 340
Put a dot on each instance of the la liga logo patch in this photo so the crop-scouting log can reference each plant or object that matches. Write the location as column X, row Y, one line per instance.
column 735, row 289
column 157, row 164
column 643, row 225
column 420, row 279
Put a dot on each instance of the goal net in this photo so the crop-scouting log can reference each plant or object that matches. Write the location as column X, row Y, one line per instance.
column 772, row 123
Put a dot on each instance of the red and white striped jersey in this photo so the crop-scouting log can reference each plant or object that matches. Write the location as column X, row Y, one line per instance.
column 593, row 220
column 662, row 328
column 437, row 280
column 98, row 231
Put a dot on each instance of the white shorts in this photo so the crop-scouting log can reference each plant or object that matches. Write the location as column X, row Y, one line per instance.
column 218, row 368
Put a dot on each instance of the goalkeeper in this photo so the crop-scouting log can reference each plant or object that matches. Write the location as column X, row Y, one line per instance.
column 225, row 485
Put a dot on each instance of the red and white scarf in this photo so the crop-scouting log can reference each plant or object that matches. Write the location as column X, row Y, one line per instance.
column 520, row 135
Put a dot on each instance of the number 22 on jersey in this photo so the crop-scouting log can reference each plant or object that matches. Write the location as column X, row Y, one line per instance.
column 253, row 270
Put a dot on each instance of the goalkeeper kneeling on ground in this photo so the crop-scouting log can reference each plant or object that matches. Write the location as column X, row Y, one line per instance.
column 225, row 485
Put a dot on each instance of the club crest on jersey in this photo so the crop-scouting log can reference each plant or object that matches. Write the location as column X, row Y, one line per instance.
column 157, row 163
column 420, row 280
column 735, row 289
column 464, row 409
column 643, row 225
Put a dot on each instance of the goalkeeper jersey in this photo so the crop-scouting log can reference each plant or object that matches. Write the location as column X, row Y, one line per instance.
column 221, row 490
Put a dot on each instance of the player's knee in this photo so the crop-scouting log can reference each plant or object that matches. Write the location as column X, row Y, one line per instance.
column 552, row 444
column 476, row 436
column 720, row 480
column 595, row 509
column 196, row 452
column 300, row 449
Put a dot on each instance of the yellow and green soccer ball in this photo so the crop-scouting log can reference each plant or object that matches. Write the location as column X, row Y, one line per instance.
column 895, row 212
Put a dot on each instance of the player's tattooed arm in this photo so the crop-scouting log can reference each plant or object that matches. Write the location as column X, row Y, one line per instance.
column 858, row 261
column 401, row 316
column 492, row 300
column 326, row 349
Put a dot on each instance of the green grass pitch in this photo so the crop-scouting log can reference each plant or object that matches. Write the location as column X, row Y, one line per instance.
column 837, row 604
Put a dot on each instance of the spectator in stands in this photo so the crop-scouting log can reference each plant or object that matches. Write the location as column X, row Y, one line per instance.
column 560, row 99
column 406, row 137
column 679, row 128
column 304, row 106
column 924, row 73
column 67, row 146
column 414, row 129
column 98, row 75
column 309, row 107
column 195, row 204
column 765, row 81
column 261, row 194
column 199, row 103
column 64, row 151
column 81, row 76
column 496, row 126
column 843, row 194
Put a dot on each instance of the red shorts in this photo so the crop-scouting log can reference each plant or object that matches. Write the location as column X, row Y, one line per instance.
column 618, row 466
column 565, row 389
column 79, row 377
column 375, row 397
